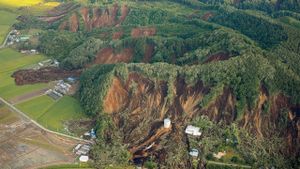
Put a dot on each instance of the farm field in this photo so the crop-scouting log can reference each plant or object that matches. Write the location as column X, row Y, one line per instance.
column 11, row 61
column 52, row 114
column 6, row 20
column 23, row 145
column 34, row 7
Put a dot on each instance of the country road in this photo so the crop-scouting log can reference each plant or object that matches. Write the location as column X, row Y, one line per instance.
column 38, row 125
column 3, row 45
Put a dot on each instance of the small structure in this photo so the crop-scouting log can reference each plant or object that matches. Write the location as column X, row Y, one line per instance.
column 84, row 159
column 192, row 130
column 82, row 150
column 93, row 134
column 62, row 87
column 167, row 123
column 194, row 153
column 71, row 79
column 77, row 148
column 55, row 63
column 219, row 155
column 24, row 38
column 41, row 64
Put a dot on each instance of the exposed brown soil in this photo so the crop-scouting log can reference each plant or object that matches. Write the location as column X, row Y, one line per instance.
column 145, row 105
column 139, row 105
column 124, row 13
column 222, row 108
column 117, row 35
column 107, row 56
column 116, row 98
column 73, row 23
column 207, row 16
column 103, row 17
column 63, row 8
column 43, row 75
column 217, row 57
column 148, row 53
column 50, row 19
column 63, row 25
column 143, row 32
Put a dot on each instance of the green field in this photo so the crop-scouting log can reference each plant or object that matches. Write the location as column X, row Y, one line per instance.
column 10, row 62
column 52, row 114
column 6, row 20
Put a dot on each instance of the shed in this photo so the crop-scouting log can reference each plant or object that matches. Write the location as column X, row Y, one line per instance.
column 192, row 130
column 167, row 123
column 77, row 147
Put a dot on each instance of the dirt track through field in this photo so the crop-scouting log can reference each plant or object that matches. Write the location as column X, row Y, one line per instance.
column 28, row 96
column 23, row 144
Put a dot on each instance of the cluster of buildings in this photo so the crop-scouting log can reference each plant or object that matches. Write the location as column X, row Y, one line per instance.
column 82, row 150
column 15, row 36
column 47, row 63
column 60, row 89
column 190, row 131
column 193, row 132
column 29, row 52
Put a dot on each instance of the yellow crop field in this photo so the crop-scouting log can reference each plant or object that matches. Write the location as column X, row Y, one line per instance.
column 21, row 3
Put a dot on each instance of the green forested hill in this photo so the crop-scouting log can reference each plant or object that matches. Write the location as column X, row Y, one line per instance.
column 229, row 66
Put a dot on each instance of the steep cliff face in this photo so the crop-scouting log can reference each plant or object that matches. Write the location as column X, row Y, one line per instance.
column 138, row 106
column 95, row 18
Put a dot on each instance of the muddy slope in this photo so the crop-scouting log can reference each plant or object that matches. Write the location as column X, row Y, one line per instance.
column 43, row 75
column 139, row 105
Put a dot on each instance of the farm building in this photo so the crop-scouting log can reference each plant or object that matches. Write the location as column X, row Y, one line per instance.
column 83, row 159
column 82, row 149
column 24, row 38
column 194, row 152
column 192, row 130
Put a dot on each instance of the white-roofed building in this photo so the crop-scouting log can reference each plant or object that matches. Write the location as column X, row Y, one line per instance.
column 84, row 159
column 192, row 130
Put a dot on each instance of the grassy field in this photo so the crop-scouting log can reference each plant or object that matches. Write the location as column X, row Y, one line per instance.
column 52, row 114
column 11, row 61
column 6, row 20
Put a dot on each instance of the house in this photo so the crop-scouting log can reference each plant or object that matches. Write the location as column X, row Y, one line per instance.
column 194, row 153
column 83, row 159
column 192, row 130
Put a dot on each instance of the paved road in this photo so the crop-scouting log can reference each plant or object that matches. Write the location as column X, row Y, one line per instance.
column 40, row 126
column 4, row 43
column 229, row 164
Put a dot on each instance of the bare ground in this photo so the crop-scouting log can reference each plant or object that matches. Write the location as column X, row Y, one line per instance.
column 22, row 145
